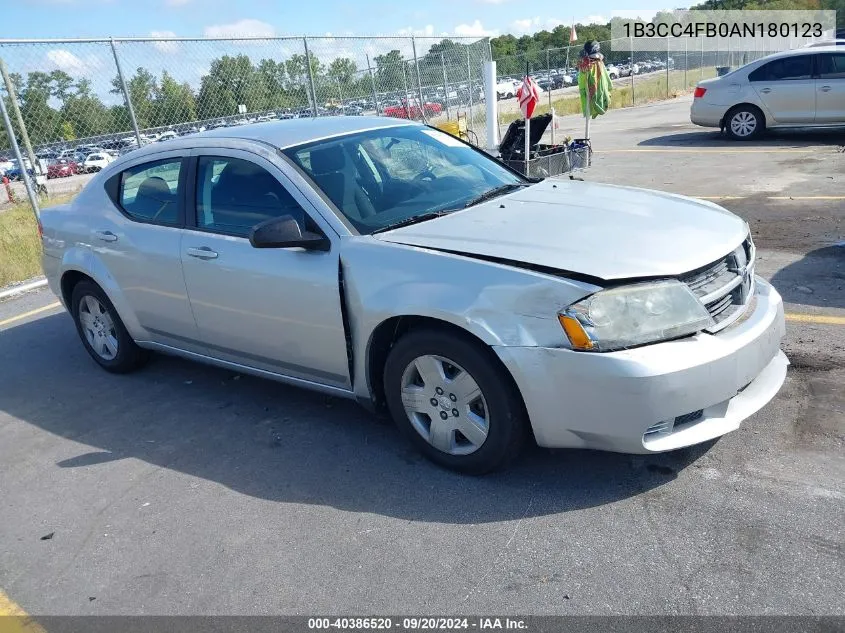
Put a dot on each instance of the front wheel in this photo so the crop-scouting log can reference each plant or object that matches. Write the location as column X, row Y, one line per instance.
column 454, row 402
column 744, row 123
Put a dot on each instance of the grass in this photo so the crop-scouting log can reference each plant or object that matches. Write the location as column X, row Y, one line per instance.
column 623, row 96
column 20, row 247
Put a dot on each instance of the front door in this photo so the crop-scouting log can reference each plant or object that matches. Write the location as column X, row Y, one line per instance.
column 830, row 88
column 272, row 309
column 787, row 89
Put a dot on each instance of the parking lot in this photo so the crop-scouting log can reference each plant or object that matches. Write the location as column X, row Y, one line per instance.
column 184, row 489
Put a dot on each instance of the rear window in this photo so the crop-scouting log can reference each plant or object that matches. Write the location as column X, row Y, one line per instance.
column 149, row 192
column 832, row 65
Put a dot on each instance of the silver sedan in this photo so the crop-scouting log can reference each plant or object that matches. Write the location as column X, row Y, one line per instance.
column 391, row 263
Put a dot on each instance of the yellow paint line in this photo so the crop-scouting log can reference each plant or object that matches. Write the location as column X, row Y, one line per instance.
column 806, row 198
column 13, row 619
column 700, row 150
column 824, row 319
column 25, row 315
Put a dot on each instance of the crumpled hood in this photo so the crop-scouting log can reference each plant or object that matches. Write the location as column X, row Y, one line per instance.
column 604, row 231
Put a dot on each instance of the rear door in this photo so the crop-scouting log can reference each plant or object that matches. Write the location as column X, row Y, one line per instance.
column 140, row 246
column 830, row 88
column 787, row 89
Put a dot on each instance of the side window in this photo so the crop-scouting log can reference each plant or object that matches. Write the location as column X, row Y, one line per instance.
column 233, row 195
column 148, row 192
column 785, row 69
column 832, row 66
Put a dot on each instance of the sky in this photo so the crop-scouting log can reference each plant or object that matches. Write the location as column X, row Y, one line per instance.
column 103, row 18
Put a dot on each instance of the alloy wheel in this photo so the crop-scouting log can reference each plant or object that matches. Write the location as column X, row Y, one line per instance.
column 743, row 123
column 98, row 327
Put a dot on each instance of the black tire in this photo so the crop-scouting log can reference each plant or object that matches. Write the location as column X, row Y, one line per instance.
column 745, row 111
column 507, row 421
column 129, row 356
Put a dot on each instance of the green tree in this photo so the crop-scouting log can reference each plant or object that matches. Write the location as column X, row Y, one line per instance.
column 67, row 131
column 342, row 69
column 390, row 71
column 174, row 102
column 142, row 90
column 230, row 82
column 85, row 113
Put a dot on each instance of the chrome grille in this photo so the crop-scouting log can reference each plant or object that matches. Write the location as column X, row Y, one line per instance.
column 725, row 286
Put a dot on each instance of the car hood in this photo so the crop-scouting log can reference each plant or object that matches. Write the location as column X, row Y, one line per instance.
column 602, row 231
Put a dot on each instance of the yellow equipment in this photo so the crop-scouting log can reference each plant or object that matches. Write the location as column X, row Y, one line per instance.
column 456, row 128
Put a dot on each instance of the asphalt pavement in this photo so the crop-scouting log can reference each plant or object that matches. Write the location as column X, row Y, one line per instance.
column 184, row 489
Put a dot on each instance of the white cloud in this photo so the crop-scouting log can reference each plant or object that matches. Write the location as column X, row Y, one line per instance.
column 247, row 27
column 165, row 47
column 476, row 29
column 62, row 59
column 523, row 26
column 594, row 19
column 426, row 31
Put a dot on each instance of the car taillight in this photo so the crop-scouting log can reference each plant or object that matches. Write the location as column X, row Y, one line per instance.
column 699, row 92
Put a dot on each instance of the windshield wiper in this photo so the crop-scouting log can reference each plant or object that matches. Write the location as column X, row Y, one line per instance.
column 495, row 192
column 414, row 219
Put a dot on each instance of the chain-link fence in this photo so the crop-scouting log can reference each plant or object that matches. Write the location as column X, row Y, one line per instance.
column 69, row 97
column 638, row 76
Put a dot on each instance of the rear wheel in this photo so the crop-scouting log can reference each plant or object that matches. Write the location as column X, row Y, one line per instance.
column 744, row 123
column 102, row 332
column 454, row 402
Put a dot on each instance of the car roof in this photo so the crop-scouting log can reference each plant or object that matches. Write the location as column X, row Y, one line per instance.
column 289, row 132
column 280, row 134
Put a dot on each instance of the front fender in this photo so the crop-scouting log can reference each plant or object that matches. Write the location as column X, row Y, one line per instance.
column 498, row 304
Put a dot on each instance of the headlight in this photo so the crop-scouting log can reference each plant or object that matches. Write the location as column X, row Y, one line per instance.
column 634, row 315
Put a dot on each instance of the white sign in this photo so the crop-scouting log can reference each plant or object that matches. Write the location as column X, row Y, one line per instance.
column 241, row 109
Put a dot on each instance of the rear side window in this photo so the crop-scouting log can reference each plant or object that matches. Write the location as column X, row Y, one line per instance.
column 149, row 192
column 784, row 69
column 832, row 66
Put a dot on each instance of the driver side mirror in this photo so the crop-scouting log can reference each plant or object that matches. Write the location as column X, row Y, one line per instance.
column 284, row 232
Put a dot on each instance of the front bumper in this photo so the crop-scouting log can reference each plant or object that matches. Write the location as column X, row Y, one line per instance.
column 632, row 401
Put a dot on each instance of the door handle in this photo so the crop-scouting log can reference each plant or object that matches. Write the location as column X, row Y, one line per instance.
column 106, row 236
column 766, row 90
column 825, row 88
column 202, row 252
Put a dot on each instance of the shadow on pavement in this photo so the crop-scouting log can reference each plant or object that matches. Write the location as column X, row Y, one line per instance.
column 709, row 137
column 284, row 444
column 817, row 279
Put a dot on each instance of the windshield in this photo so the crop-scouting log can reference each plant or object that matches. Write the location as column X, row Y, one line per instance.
column 383, row 177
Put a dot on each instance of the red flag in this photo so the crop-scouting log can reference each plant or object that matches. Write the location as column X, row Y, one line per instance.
column 572, row 35
column 528, row 95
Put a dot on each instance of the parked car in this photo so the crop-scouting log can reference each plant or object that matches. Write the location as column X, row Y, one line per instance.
column 167, row 136
column 15, row 172
column 62, row 168
column 506, row 88
column 802, row 87
column 412, row 110
column 474, row 305
column 96, row 162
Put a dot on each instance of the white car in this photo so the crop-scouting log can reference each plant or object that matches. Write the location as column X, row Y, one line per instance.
column 96, row 162
column 386, row 262
column 613, row 71
column 798, row 88
column 506, row 89
column 167, row 136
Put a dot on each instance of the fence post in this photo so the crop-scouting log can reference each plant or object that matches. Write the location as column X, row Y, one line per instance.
column 469, row 87
column 125, row 90
column 549, row 73
column 407, row 96
column 419, row 81
column 373, row 84
column 667, row 67
column 633, row 98
column 310, row 78
column 445, row 87
column 13, row 141
column 491, row 105
column 686, row 63
column 701, row 69
column 13, row 99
